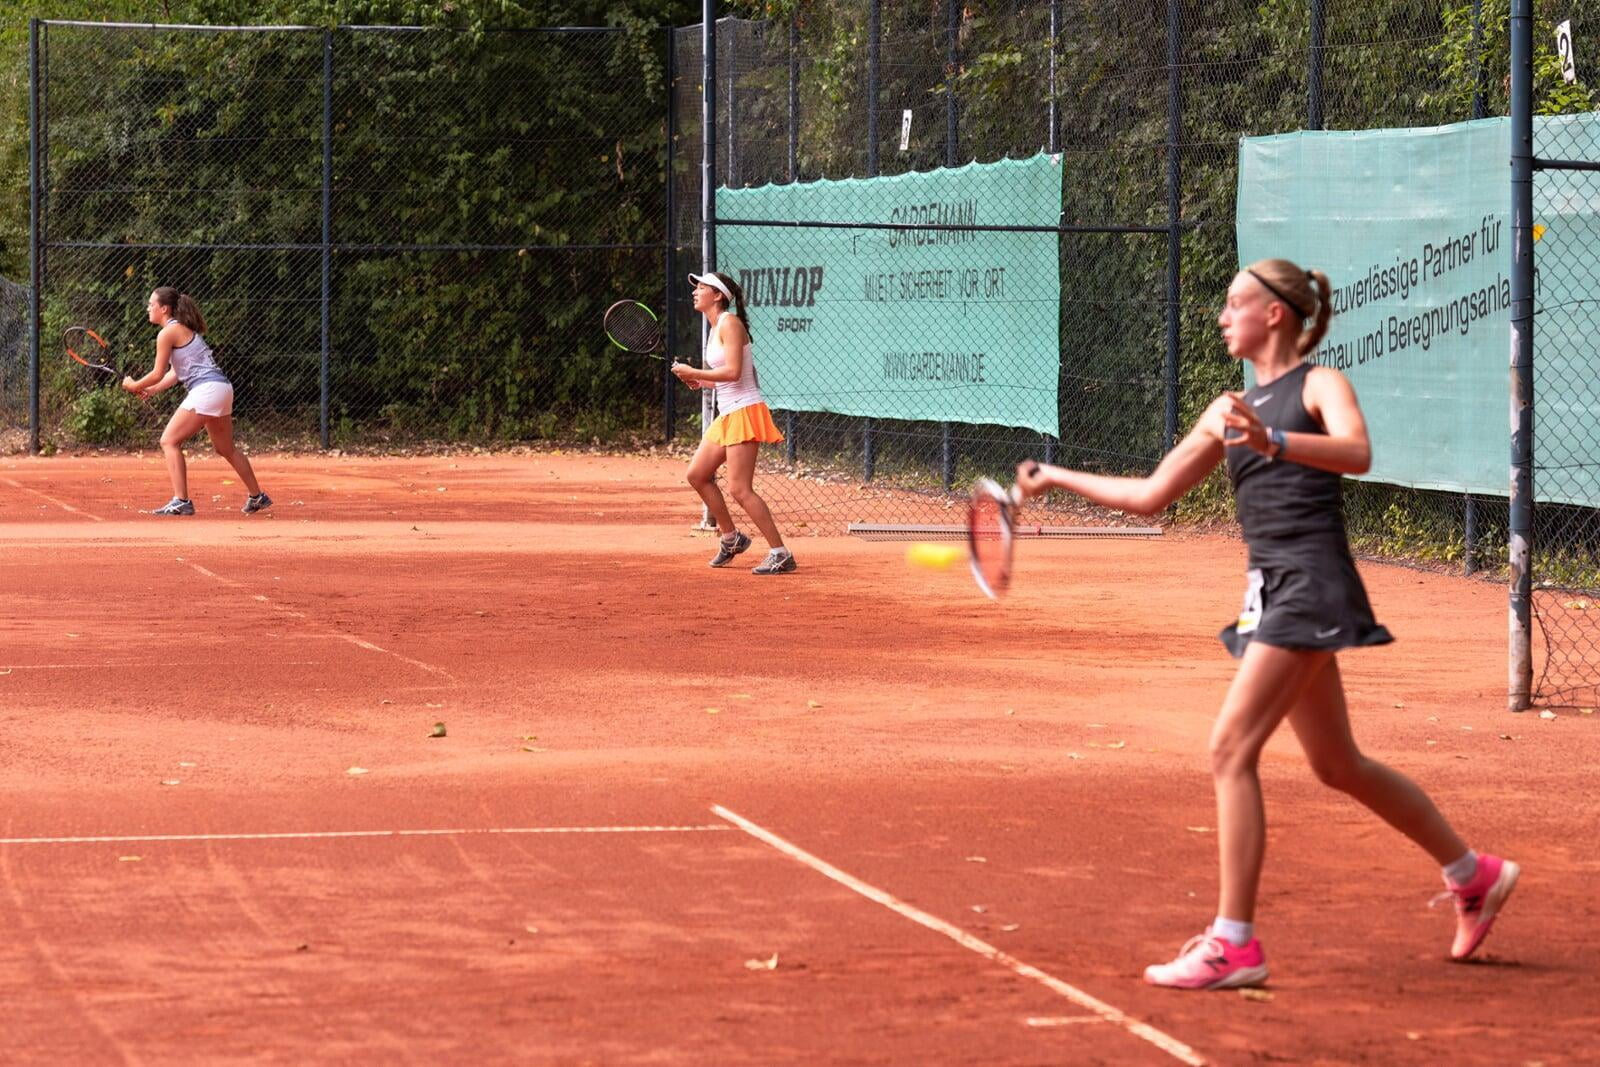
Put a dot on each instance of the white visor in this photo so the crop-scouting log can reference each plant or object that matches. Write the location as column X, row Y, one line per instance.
column 713, row 281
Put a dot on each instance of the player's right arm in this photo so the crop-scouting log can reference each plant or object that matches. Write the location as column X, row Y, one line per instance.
column 1179, row 471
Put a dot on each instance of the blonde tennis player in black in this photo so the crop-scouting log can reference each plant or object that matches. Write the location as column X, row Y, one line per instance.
column 745, row 422
column 1286, row 443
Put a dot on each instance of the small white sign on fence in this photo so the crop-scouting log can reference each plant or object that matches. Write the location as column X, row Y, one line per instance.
column 1569, row 66
column 905, row 129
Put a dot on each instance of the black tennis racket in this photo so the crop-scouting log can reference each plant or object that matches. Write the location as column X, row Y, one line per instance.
column 91, row 350
column 992, row 535
column 634, row 328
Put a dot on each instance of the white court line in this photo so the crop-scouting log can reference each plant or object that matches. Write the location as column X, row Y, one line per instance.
column 1144, row 1031
column 1061, row 1020
column 370, row 647
column 9, row 667
column 317, row 835
column 45, row 496
column 358, row 642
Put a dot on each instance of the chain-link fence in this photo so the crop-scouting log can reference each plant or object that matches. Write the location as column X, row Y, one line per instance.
column 394, row 234
column 1057, row 301
column 1565, row 567
column 1145, row 105
column 14, row 349
column 401, row 234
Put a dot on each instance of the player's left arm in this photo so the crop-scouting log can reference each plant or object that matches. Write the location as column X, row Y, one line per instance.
column 168, row 380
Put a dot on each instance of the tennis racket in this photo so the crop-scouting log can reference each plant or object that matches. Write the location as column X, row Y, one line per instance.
column 634, row 328
column 991, row 535
column 91, row 350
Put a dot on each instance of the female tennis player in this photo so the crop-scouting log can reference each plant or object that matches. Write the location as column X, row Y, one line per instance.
column 1286, row 441
column 743, row 423
column 182, row 355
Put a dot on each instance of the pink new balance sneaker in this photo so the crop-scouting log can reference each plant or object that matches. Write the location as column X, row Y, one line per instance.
column 1479, row 901
column 1207, row 962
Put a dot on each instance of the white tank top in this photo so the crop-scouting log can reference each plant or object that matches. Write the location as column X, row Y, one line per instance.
column 194, row 362
column 743, row 391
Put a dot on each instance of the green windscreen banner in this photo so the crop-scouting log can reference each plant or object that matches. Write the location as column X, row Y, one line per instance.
column 1412, row 227
column 938, row 325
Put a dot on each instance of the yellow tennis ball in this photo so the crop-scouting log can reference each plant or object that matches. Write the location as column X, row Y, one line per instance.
column 936, row 556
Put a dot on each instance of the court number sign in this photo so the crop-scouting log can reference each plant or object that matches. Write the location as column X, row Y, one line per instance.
column 1569, row 68
column 905, row 129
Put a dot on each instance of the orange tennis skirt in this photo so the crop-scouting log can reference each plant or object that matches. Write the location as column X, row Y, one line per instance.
column 752, row 423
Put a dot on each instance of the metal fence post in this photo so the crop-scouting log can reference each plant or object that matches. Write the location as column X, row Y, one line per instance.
column 1319, row 25
column 1174, row 217
column 790, row 445
column 327, row 232
column 794, row 97
column 1053, row 145
column 952, row 149
column 669, row 396
column 1479, row 107
column 732, row 165
column 869, row 443
column 1519, row 693
column 708, row 189
column 35, row 274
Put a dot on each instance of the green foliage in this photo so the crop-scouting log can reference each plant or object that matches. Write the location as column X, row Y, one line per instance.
column 104, row 417
column 459, row 137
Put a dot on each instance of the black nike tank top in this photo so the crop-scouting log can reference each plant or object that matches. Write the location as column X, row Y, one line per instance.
column 1278, row 497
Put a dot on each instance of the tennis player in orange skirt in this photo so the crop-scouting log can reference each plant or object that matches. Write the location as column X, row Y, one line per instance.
column 743, row 424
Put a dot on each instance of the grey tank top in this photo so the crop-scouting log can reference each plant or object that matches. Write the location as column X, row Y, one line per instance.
column 195, row 364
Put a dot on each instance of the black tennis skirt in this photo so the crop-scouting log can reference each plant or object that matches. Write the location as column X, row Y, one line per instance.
column 1304, row 593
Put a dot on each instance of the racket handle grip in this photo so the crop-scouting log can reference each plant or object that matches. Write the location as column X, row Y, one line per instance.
column 1016, row 490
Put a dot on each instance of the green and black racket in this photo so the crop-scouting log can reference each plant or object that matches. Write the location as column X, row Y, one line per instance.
column 633, row 327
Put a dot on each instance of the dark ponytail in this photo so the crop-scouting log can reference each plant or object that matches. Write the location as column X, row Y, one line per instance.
column 738, row 300
column 182, row 307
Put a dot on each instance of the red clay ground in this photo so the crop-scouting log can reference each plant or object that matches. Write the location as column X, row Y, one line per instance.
column 1032, row 773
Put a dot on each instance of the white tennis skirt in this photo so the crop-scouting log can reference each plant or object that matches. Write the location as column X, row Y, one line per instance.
column 210, row 399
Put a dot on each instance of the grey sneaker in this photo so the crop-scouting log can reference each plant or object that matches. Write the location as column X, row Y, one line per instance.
column 726, row 550
column 258, row 502
column 778, row 561
column 176, row 506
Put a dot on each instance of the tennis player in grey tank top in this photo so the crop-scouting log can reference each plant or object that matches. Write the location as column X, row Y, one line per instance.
column 1304, row 603
column 182, row 355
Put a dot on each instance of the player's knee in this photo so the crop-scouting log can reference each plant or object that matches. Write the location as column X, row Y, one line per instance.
column 171, row 442
column 697, row 480
column 1341, row 773
column 742, row 494
column 1230, row 755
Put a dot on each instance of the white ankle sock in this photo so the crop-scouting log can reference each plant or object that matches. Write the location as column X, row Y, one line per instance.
column 1461, row 871
column 1236, row 933
column 730, row 538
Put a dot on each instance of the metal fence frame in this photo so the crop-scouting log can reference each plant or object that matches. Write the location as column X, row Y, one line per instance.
column 1525, row 166
column 327, row 248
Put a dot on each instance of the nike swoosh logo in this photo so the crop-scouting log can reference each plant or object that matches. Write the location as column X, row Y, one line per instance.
column 1258, row 401
column 1329, row 633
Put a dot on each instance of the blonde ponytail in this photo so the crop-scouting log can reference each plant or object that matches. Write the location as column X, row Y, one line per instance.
column 1307, row 293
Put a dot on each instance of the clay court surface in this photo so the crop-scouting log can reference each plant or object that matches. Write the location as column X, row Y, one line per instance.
column 857, row 814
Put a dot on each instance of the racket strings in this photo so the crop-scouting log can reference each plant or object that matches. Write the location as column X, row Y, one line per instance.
column 991, row 541
column 88, row 348
column 633, row 327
